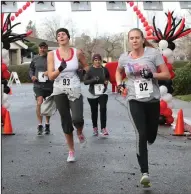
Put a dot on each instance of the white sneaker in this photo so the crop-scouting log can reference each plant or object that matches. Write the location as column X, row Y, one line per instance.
column 145, row 180
column 71, row 157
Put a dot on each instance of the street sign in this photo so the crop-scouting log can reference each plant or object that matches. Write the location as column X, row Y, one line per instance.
column 9, row 6
column 81, row 6
column 185, row 4
column 44, row 6
column 116, row 6
column 153, row 5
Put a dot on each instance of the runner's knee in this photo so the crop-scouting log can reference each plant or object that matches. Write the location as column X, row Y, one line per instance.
column 78, row 122
column 39, row 100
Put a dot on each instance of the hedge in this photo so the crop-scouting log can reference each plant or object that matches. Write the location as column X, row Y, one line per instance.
column 182, row 80
column 179, row 64
column 22, row 71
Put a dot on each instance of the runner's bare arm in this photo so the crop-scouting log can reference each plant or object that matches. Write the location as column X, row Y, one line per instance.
column 118, row 75
column 82, row 59
column 164, row 74
column 52, row 73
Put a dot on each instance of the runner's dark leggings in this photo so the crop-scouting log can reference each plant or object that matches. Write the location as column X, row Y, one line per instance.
column 145, row 118
column 64, row 105
column 102, row 101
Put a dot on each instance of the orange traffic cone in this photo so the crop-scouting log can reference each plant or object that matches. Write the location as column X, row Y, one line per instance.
column 179, row 130
column 7, row 128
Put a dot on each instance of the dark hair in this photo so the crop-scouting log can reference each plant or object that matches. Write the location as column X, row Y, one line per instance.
column 63, row 30
column 43, row 44
column 146, row 43
column 96, row 56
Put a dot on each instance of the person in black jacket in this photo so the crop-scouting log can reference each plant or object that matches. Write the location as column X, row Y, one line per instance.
column 97, row 78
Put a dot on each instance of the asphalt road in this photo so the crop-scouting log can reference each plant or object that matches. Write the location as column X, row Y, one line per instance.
column 37, row 165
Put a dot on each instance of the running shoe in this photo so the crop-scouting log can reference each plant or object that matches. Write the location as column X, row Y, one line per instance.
column 95, row 131
column 104, row 132
column 47, row 129
column 71, row 157
column 40, row 129
column 145, row 180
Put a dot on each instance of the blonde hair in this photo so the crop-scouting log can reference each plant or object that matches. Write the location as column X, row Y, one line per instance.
column 146, row 43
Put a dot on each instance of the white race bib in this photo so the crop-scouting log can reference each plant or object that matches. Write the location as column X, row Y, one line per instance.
column 98, row 89
column 42, row 77
column 143, row 88
column 66, row 83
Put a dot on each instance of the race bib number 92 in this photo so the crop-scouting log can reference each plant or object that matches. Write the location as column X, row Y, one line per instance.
column 143, row 88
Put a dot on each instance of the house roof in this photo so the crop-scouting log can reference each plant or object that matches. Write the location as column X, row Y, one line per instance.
column 38, row 41
column 21, row 44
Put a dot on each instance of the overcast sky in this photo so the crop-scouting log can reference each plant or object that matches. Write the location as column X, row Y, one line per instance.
column 98, row 20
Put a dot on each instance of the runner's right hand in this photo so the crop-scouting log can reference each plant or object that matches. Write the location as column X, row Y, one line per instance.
column 63, row 65
column 34, row 78
column 121, row 88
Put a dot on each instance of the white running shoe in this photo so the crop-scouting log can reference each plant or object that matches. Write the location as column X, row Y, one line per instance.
column 71, row 157
column 145, row 180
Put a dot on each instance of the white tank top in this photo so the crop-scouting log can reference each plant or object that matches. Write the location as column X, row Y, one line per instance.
column 68, row 78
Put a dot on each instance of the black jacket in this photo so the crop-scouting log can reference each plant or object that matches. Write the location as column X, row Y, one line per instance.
column 90, row 78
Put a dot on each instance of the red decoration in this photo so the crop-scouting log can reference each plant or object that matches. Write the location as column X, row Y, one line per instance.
column 12, row 18
column 149, row 33
column 145, row 24
column 163, row 105
column 167, row 112
column 172, row 74
column 6, row 74
column 143, row 19
column 135, row 8
column 20, row 11
column 170, row 68
column 112, row 66
column 24, row 7
column 3, row 67
column 29, row 32
column 28, row 4
column 169, row 120
column 131, row 3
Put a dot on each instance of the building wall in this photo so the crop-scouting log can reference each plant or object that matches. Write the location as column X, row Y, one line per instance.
column 15, row 54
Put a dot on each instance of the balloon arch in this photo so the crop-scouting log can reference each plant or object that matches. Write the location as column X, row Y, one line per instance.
column 164, row 40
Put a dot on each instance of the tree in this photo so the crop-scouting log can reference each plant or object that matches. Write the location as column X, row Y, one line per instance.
column 183, row 47
column 85, row 43
column 113, row 45
column 32, row 48
column 50, row 25
column 32, row 27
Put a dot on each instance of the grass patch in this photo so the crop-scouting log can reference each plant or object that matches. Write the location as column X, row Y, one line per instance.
column 184, row 97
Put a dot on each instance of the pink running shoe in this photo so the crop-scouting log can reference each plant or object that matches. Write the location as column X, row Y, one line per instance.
column 71, row 157
column 95, row 131
column 104, row 132
column 82, row 138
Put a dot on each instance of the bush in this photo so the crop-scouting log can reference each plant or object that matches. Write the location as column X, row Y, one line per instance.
column 22, row 71
column 182, row 80
column 179, row 64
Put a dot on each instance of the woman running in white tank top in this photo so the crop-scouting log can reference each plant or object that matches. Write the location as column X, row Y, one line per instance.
column 62, row 68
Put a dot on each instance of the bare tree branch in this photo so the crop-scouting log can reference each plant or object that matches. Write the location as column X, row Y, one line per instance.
column 50, row 25
column 111, row 44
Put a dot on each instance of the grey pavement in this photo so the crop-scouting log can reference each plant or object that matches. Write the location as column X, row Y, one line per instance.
column 37, row 165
